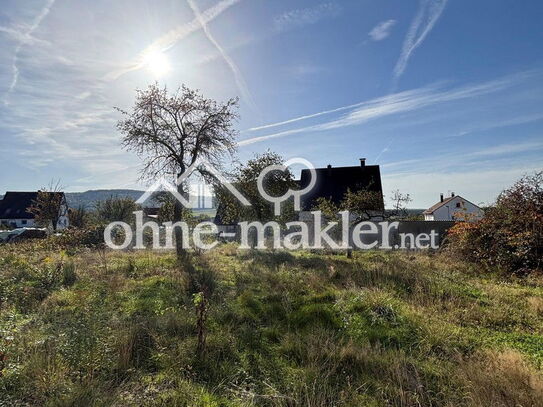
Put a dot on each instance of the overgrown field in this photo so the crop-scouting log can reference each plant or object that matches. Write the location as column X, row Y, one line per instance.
column 98, row 328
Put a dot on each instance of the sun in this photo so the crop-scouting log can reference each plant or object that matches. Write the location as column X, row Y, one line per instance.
column 157, row 62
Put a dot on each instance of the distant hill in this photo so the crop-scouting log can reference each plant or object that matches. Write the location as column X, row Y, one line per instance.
column 410, row 212
column 89, row 198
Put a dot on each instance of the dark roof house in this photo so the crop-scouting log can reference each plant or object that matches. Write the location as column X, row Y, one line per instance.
column 333, row 182
column 15, row 204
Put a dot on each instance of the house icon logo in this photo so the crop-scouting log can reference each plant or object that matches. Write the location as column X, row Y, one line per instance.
column 200, row 194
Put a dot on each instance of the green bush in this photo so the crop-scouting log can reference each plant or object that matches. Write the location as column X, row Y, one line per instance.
column 73, row 238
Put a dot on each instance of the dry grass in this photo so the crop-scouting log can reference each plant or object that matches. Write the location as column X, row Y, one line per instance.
column 535, row 304
column 502, row 379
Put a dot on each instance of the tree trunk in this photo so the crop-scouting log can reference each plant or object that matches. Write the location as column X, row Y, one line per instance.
column 177, row 217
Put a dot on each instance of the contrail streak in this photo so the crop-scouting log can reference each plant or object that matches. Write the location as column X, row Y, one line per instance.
column 402, row 102
column 27, row 34
column 172, row 37
column 240, row 81
column 309, row 116
column 427, row 16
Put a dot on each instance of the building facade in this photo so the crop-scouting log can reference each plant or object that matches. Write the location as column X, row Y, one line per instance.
column 453, row 208
column 14, row 210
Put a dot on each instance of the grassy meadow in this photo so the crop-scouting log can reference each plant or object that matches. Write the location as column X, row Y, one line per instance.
column 101, row 328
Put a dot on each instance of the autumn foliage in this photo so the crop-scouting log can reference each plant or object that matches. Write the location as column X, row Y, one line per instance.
column 510, row 235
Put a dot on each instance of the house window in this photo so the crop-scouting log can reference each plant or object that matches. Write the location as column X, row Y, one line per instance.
column 24, row 222
column 458, row 205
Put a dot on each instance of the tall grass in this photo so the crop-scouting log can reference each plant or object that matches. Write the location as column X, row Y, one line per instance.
column 281, row 329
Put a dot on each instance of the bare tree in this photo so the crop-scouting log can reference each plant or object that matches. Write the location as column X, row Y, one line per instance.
column 399, row 202
column 49, row 206
column 171, row 131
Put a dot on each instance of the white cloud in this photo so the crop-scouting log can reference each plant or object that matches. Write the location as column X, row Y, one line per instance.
column 21, row 35
column 382, row 30
column 478, row 175
column 476, row 185
column 60, row 117
column 468, row 158
column 306, row 16
column 503, row 149
column 427, row 16
column 522, row 119
column 24, row 37
column 396, row 103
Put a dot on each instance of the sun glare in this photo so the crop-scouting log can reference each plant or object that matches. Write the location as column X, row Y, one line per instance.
column 157, row 63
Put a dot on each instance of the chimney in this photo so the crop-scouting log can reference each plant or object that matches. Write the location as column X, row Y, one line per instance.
column 452, row 194
column 362, row 162
column 329, row 166
column 441, row 197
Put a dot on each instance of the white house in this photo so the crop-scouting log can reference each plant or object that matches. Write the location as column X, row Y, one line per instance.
column 453, row 208
column 14, row 210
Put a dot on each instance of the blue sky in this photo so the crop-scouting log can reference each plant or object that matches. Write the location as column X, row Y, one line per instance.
column 444, row 95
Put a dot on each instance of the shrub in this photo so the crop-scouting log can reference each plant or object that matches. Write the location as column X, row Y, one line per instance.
column 24, row 285
column 78, row 217
column 510, row 235
column 69, row 275
column 135, row 346
column 91, row 237
column 115, row 209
